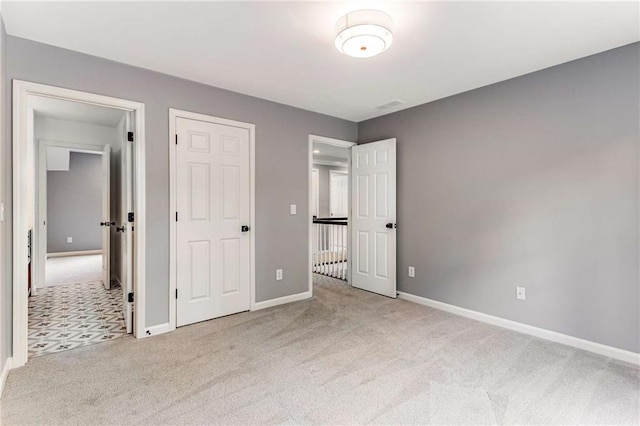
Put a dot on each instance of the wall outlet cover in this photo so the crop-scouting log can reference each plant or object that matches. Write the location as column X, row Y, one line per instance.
column 521, row 293
column 412, row 271
column 278, row 274
column 293, row 209
column 69, row 240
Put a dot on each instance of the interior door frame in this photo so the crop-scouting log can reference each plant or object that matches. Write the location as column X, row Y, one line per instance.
column 342, row 144
column 23, row 161
column 40, row 230
column 174, row 114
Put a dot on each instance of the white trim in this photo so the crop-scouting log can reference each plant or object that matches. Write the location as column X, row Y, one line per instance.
column 282, row 300
column 22, row 157
column 587, row 345
column 5, row 373
column 74, row 253
column 174, row 114
column 154, row 330
column 333, row 142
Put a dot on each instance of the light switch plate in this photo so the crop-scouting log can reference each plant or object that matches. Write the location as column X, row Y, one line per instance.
column 293, row 209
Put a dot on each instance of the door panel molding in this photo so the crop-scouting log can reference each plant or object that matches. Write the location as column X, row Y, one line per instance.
column 229, row 146
column 373, row 172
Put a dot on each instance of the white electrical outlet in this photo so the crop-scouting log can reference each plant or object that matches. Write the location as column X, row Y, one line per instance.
column 278, row 274
column 69, row 240
column 293, row 209
column 412, row 271
column 521, row 293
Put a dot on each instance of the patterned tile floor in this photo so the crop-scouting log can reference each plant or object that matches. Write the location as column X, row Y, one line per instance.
column 68, row 316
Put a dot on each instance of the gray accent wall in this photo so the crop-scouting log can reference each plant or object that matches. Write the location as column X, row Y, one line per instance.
column 74, row 205
column 530, row 182
column 95, row 137
column 282, row 134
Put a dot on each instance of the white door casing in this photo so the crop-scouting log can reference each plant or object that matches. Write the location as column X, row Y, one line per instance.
column 127, row 206
column 213, row 199
column 339, row 193
column 22, row 159
column 373, row 201
column 106, row 216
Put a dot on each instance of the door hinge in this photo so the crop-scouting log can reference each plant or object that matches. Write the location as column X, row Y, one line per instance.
column 176, row 216
column 176, row 139
column 130, row 136
column 130, row 297
column 176, row 293
column 130, row 217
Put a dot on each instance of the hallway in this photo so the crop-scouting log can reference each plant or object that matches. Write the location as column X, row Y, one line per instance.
column 74, row 309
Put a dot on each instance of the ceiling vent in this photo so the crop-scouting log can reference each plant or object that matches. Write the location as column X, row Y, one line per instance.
column 390, row 104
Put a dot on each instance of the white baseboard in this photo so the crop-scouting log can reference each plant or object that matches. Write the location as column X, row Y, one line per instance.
column 154, row 330
column 5, row 373
column 74, row 253
column 281, row 300
column 587, row 345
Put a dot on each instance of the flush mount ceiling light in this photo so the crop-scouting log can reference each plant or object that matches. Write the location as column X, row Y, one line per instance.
column 364, row 33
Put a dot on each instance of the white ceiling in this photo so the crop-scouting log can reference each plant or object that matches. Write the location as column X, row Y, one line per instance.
column 76, row 111
column 284, row 51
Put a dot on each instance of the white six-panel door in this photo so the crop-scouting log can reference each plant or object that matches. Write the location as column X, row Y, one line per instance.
column 213, row 254
column 106, row 216
column 373, row 217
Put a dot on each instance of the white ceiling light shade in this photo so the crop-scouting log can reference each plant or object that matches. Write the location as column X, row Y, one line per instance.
column 364, row 33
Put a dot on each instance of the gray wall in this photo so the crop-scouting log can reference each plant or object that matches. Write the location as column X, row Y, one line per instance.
column 324, row 207
column 74, row 205
column 529, row 182
column 282, row 134
column 54, row 129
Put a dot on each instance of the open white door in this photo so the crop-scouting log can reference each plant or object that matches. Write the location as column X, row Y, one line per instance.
column 106, row 216
column 213, row 244
column 373, row 218
column 127, row 226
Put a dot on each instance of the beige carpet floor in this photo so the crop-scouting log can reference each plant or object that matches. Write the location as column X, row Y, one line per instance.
column 344, row 357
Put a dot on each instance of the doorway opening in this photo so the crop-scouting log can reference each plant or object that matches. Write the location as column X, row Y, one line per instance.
column 77, row 184
column 329, row 208
column 212, row 216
